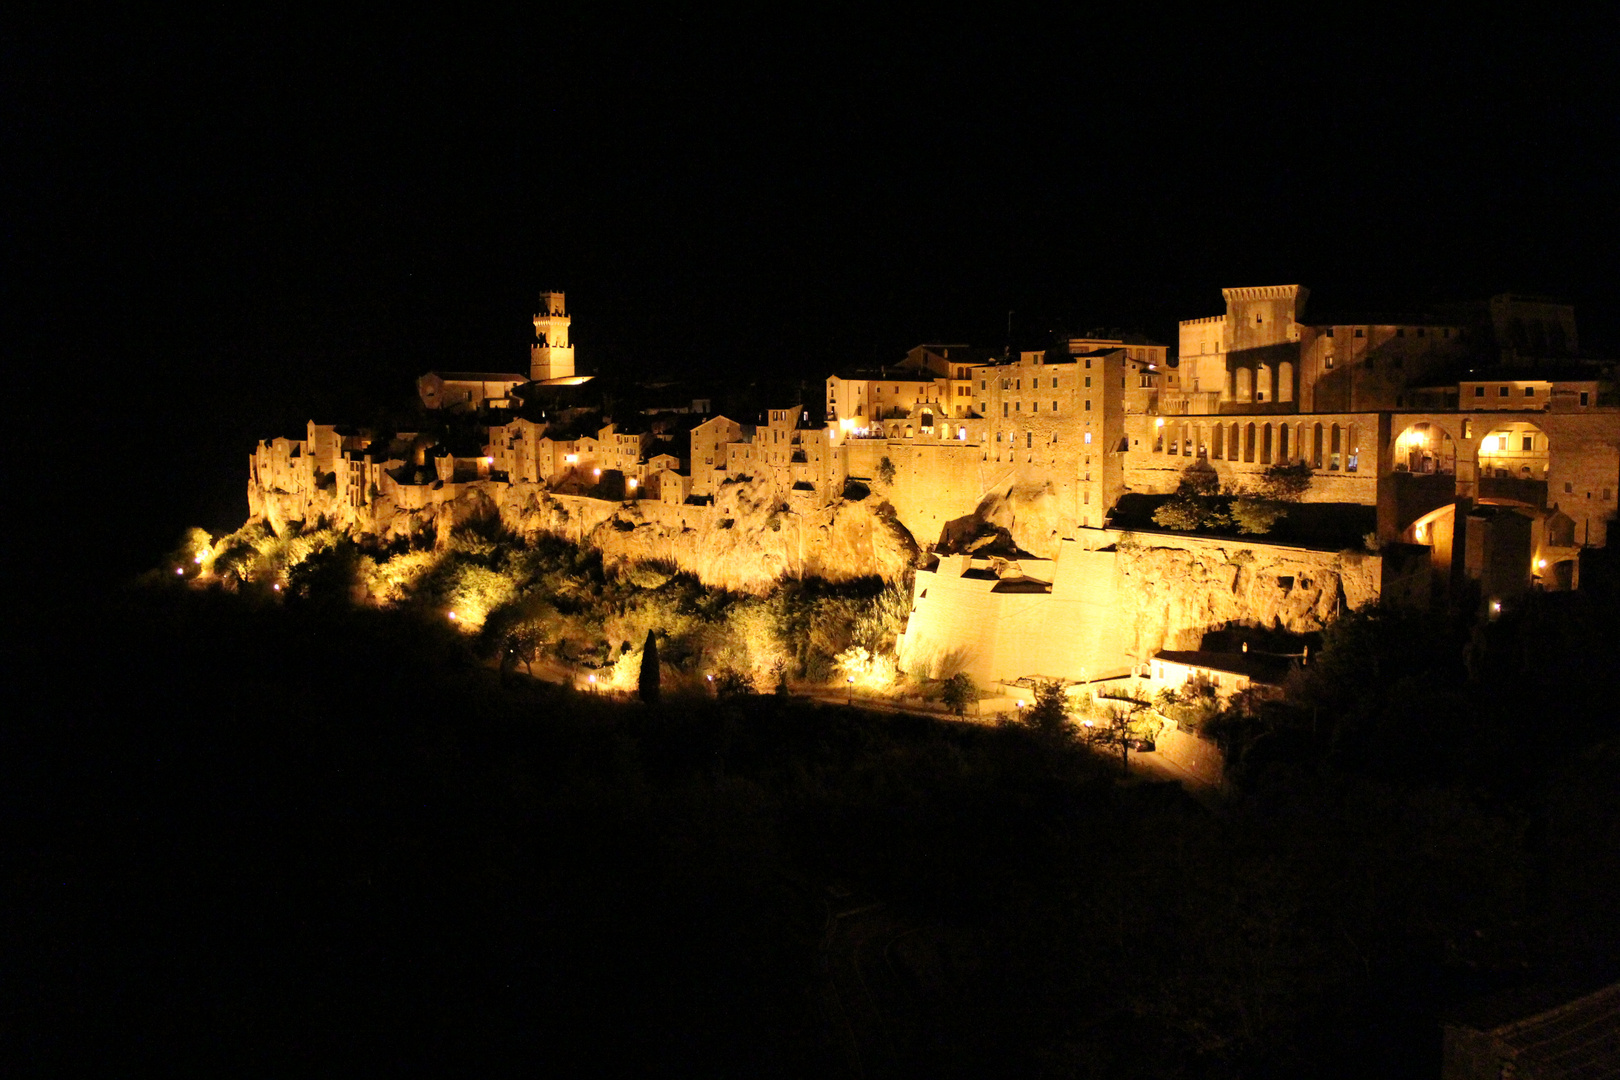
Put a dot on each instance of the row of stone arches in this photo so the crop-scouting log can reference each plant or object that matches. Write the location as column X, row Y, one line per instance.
column 1512, row 450
column 1325, row 446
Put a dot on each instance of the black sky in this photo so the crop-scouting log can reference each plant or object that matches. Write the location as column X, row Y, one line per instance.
column 222, row 227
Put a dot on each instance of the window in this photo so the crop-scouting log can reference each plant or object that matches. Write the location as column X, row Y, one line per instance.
column 1034, row 406
column 1529, row 443
column 1088, row 363
column 1501, row 391
column 1468, row 429
column 1569, row 488
column 1088, row 404
column 1003, row 408
column 1330, row 331
column 1029, row 440
column 1258, row 319
column 1360, row 332
column 984, row 384
column 1054, row 406
column 1088, row 438
column 1329, row 364
column 1529, row 391
column 1479, row 391
column 1088, row 382
column 1584, row 398
column 1018, row 406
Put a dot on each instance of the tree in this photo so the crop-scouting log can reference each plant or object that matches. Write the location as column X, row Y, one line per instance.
column 1286, row 483
column 1049, row 716
column 649, row 670
column 1255, row 516
column 885, row 471
column 958, row 691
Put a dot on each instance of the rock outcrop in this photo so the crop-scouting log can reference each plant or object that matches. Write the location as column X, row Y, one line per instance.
column 750, row 538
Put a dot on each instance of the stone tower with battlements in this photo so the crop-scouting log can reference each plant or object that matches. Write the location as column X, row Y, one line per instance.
column 551, row 356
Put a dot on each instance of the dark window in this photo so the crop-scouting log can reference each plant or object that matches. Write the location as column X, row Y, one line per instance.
column 1330, row 331
column 1360, row 333
column 1529, row 391
column 1584, row 398
column 1479, row 391
column 1501, row 391
column 1529, row 443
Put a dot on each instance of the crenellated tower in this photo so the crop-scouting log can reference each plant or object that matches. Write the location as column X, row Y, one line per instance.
column 551, row 356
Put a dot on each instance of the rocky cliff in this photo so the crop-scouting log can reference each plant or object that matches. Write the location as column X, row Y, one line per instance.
column 750, row 538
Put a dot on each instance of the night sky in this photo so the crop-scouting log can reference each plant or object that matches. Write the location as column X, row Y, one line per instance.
column 221, row 228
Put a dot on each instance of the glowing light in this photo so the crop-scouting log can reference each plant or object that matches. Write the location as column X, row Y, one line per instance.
column 1496, row 606
column 596, row 472
column 488, row 461
column 452, row 616
column 198, row 559
column 180, row 570
column 1159, row 422
column 1088, row 723
column 631, row 481
column 570, row 458
column 1541, row 564
column 276, row 586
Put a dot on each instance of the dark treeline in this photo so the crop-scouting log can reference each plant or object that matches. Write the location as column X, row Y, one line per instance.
column 266, row 839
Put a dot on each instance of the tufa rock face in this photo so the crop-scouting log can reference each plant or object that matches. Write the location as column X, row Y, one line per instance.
column 1170, row 593
column 748, row 540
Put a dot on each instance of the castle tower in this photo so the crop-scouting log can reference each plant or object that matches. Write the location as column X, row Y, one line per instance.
column 551, row 356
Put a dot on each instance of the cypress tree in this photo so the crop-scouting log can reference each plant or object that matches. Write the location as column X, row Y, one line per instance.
column 649, row 670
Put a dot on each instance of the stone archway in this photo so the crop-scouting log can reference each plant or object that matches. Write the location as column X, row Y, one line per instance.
column 1425, row 449
column 1515, row 450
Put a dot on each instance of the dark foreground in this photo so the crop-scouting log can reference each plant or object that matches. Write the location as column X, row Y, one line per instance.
column 274, row 842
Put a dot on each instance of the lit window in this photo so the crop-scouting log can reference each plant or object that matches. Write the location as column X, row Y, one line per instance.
column 1088, row 438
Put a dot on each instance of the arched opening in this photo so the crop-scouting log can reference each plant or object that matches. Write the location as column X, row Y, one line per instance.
column 1423, row 449
column 961, row 434
column 1262, row 383
column 1515, row 451
column 1562, row 576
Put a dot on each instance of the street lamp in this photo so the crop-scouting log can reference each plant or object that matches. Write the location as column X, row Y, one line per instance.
column 851, row 681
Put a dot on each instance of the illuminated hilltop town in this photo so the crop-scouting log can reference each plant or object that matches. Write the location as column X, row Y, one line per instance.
column 1466, row 456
